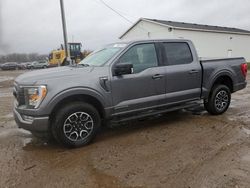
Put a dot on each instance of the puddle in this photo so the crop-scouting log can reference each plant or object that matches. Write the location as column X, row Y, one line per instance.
column 14, row 132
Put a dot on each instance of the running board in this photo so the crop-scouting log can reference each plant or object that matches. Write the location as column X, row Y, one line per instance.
column 153, row 112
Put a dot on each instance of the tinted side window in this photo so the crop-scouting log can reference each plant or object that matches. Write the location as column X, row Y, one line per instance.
column 178, row 53
column 142, row 56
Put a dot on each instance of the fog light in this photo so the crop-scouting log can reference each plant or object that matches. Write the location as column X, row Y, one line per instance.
column 28, row 118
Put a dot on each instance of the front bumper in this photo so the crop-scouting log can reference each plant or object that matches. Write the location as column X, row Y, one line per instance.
column 36, row 124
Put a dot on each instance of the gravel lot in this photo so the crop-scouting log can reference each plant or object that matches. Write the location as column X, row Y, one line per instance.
column 180, row 149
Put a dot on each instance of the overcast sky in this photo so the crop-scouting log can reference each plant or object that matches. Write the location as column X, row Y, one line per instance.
column 35, row 25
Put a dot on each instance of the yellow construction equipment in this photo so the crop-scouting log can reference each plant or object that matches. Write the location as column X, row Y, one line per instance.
column 58, row 57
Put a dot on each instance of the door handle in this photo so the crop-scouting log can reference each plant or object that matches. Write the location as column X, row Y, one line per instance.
column 157, row 76
column 193, row 71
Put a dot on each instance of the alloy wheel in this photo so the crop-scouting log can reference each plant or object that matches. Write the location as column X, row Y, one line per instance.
column 221, row 100
column 78, row 126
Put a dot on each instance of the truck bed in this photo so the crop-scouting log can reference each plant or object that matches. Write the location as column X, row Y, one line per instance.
column 213, row 68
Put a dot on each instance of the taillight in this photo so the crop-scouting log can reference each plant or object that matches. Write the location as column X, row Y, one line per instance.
column 244, row 69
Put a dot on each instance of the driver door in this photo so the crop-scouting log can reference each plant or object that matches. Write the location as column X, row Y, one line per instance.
column 145, row 86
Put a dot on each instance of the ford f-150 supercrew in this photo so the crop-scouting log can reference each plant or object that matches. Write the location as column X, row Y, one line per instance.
column 120, row 82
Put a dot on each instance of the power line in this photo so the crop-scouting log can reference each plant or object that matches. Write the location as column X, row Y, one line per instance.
column 115, row 11
column 118, row 13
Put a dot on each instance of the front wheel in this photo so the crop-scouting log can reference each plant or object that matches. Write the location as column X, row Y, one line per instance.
column 76, row 124
column 219, row 100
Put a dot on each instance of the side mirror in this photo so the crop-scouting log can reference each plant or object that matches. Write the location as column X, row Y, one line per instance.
column 123, row 68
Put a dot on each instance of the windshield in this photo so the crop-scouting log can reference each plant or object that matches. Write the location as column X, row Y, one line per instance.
column 100, row 57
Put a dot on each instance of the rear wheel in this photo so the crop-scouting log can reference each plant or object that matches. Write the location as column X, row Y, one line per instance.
column 219, row 100
column 76, row 124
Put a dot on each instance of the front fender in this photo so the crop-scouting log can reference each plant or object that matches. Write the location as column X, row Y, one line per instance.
column 74, row 91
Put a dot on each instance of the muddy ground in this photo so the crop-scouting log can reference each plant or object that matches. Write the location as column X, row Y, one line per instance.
column 179, row 149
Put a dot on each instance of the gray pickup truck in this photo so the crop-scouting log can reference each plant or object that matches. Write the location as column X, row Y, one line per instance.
column 121, row 82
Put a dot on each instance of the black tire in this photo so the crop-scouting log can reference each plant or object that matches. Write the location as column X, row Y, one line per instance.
column 73, row 121
column 219, row 100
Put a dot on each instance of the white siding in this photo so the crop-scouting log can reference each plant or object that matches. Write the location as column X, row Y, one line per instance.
column 146, row 30
column 208, row 44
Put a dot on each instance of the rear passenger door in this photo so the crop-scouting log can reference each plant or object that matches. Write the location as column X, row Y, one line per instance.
column 183, row 73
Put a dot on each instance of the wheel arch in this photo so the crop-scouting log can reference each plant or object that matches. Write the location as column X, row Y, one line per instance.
column 88, row 96
column 224, row 78
column 81, row 98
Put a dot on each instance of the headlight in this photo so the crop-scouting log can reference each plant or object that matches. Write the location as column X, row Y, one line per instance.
column 34, row 95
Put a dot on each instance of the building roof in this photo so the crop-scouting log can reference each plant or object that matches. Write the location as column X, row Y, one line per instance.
column 192, row 26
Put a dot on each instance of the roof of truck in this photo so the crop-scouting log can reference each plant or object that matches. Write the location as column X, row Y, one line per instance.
column 151, row 40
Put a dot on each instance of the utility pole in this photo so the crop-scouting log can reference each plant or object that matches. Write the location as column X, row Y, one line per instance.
column 67, row 53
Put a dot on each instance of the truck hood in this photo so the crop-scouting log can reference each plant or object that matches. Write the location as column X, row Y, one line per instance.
column 32, row 77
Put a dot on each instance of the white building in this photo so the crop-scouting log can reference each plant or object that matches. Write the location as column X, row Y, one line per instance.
column 210, row 41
